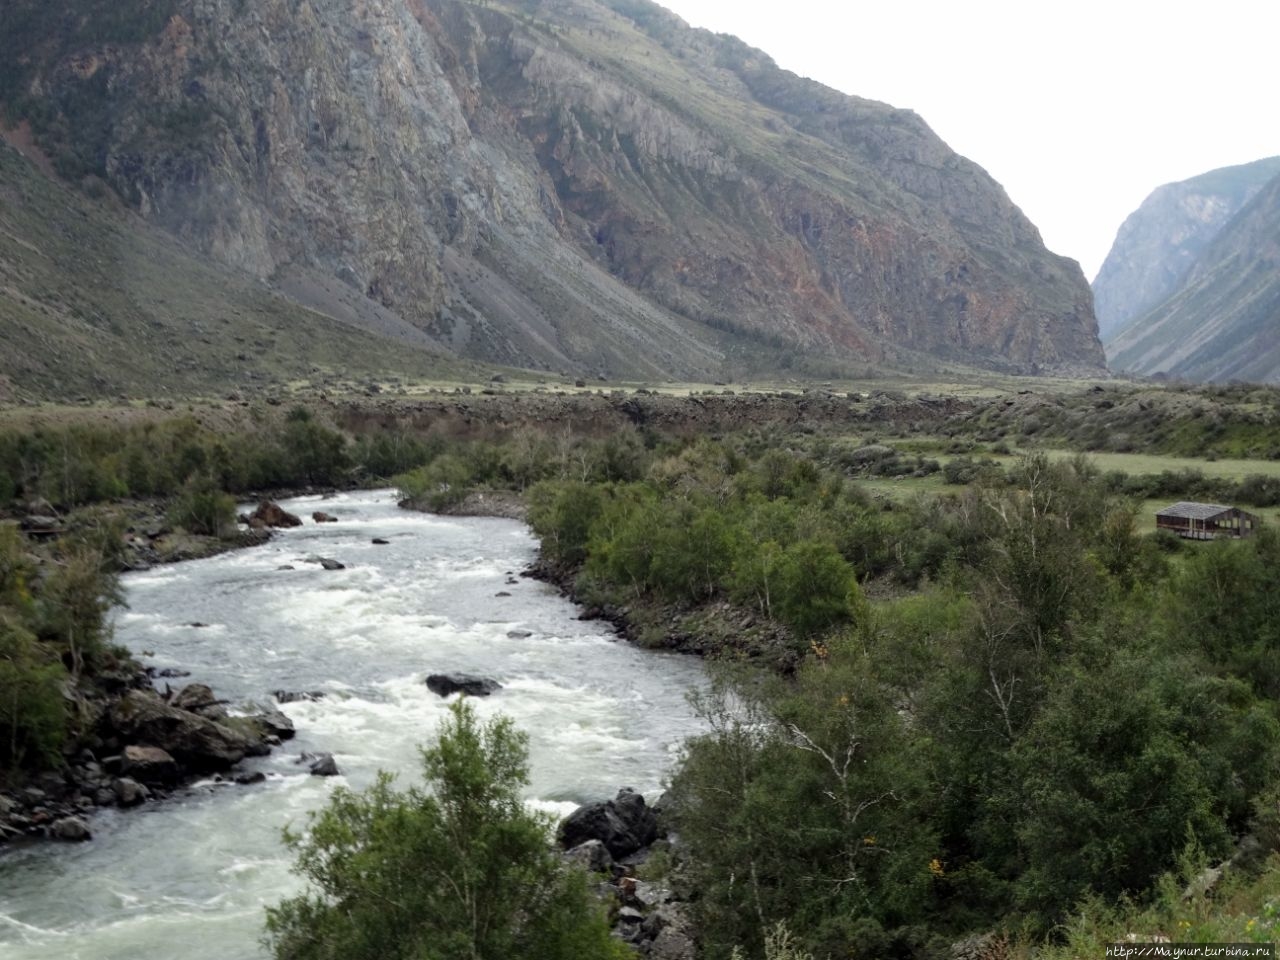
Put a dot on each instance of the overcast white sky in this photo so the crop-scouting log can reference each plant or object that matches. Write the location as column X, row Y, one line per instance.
column 1080, row 109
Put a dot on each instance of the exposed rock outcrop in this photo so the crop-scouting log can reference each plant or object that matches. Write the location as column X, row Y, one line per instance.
column 612, row 839
column 1159, row 243
column 271, row 514
column 1221, row 323
column 200, row 744
column 593, row 186
column 624, row 824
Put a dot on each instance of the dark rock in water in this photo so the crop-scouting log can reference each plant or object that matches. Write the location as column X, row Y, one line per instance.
column 623, row 824
column 72, row 829
column 502, row 593
column 199, row 698
column 271, row 514
column 293, row 696
column 327, row 562
column 287, row 566
column 274, row 723
column 519, row 634
column 248, row 779
column 379, row 542
column 321, row 517
column 201, row 744
column 449, row 683
column 593, row 856
column 168, row 673
column 197, row 624
column 150, row 765
column 129, row 792
column 320, row 764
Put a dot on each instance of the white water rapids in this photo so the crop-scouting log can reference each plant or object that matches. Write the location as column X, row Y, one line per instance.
column 188, row 878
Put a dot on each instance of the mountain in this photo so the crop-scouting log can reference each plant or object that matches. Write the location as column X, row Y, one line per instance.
column 96, row 302
column 1159, row 243
column 567, row 184
column 1223, row 323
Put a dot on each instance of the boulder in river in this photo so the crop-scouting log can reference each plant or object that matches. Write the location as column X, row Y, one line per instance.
column 149, row 765
column 624, row 824
column 327, row 562
column 519, row 634
column 273, row 723
column 445, row 684
column 199, row 698
column 200, row 744
column 271, row 514
column 293, row 696
column 320, row 764
column 70, row 828
column 381, row 542
column 129, row 792
column 321, row 517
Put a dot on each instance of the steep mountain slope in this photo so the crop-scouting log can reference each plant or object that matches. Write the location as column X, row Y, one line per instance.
column 94, row 301
column 584, row 184
column 1158, row 243
column 1224, row 321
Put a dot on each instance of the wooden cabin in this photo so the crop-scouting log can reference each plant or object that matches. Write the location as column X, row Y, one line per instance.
column 1207, row 521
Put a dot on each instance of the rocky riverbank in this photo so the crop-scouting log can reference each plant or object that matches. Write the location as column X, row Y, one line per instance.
column 712, row 629
column 634, row 850
column 136, row 743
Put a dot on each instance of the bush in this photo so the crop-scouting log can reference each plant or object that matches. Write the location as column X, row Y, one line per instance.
column 459, row 871
column 32, row 715
column 442, row 483
column 202, row 508
column 561, row 515
column 816, row 589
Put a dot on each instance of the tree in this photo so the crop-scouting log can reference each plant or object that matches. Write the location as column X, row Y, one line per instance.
column 459, row 871
column 816, row 589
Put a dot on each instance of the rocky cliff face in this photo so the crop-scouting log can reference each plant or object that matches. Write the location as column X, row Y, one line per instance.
column 576, row 184
column 1159, row 243
column 1223, row 322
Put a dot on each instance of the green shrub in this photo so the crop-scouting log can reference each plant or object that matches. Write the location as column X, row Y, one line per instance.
column 32, row 708
column 202, row 508
column 816, row 589
column 442, row 483
column 561, row 514
column 461, row 870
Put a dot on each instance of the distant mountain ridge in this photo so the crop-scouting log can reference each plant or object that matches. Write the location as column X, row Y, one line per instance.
column 1223, row 322
column 585, row 185
column 1159, row 243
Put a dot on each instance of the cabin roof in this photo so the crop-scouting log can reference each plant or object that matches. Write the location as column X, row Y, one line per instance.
column 1194, row 511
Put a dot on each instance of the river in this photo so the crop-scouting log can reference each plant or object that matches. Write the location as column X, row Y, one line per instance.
column 189, row 877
